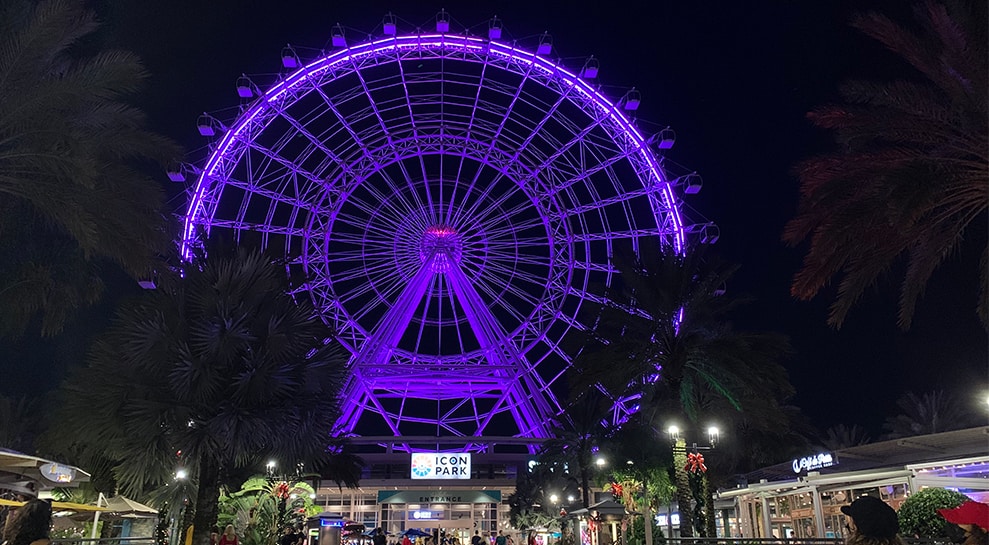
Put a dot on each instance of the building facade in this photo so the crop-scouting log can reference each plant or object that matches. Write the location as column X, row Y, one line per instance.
column 803, row 498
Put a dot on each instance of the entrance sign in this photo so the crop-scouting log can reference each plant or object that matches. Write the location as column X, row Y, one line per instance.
column 811, row 463
column 441, row 465
column 439, row 496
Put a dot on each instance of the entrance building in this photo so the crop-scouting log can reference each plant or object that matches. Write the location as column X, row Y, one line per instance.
column 433, row 490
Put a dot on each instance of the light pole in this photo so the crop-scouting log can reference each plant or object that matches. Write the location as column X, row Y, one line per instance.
column 692, row 483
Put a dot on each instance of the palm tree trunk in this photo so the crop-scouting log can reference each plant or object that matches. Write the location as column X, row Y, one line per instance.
column 683, row 489
column 188, row 514
column 207, row 499
column 708, row 507
column 585, row 485
column 647, row 523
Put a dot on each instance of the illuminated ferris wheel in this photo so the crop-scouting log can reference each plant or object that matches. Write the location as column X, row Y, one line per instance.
column 450, row 204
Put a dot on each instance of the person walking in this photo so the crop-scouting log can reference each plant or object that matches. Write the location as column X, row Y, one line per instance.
column 29, row 525
column 477, row 539
column 406, row 540
column 871, row 521
column 501, row 540
column 229, row 536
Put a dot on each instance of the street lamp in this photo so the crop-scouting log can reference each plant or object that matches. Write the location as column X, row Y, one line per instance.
column 689, row 467
column 181, row 474
column 674, row 432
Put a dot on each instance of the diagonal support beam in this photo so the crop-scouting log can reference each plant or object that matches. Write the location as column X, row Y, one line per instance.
column 535, row 410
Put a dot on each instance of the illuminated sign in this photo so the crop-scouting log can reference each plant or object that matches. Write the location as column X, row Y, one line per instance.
column 58, row 473
column 432, row 496
column 674, row 519
column 440, row 465
column 817, row 461
column 423, row 515
column 331, row 522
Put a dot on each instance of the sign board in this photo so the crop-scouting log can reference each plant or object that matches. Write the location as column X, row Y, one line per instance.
column 815, row 462
column 441, row 465
column 434, row 496
column 58, row 473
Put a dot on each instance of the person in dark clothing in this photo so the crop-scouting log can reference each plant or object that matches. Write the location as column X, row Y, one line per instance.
column 289, row 537
column 379, row 537
column 477, row 539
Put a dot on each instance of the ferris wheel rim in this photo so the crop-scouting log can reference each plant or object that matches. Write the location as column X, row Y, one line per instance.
column 391, row 44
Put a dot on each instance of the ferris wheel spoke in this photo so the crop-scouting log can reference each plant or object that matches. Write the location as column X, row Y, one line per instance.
column 496, row 214
column 508, row 230
column 367, row 271
column 479, row 201
column 348, row 256
column 393, row 197
column 494, row 138
column 286, row 163
column 517, row 274
column 470, row 134
column 589, row 172
column 313, row 141
column 344, row 122
column 273, row 195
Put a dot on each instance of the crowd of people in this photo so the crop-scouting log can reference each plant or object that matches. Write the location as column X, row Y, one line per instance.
column 869, row 520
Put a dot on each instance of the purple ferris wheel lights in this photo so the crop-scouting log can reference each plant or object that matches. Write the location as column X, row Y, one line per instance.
column 385, row 47
column 451, row 206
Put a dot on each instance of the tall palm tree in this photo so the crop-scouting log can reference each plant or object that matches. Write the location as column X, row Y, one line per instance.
column 74, row 196
column 666, row 337
column 217, row 372
column 910, row 180
column 582, row 429
column 932, row 412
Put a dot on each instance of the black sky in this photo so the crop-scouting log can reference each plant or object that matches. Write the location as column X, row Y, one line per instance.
column 734, row 79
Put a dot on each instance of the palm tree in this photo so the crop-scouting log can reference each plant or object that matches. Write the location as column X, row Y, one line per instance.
column 668, row 328
column 666, row 337
column 910, row 181
column 842, row 436
column 932, row 412
column 582, row 429
column 20, row 418
column 217, row 372
column 73, row 197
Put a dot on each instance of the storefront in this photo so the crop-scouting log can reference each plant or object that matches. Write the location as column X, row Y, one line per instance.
column 803, row 498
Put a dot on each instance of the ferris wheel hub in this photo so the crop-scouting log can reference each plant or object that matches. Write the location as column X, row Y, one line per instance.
column 440, row 246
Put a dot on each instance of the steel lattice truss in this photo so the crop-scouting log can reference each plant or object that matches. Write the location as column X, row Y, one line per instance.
column 451, row 205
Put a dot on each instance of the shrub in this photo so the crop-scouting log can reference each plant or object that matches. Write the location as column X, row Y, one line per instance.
column 918, row 514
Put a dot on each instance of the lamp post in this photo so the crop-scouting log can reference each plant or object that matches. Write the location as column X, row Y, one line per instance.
column 692, row 483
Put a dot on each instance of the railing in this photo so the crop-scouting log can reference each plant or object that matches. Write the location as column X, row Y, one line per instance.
column 104, row 541
column 773, row 541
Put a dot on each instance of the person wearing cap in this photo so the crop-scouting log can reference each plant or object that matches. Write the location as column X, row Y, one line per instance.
column 973, row 518
column 871, row 522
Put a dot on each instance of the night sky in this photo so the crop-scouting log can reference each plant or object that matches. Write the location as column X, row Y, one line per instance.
column 734, row 79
